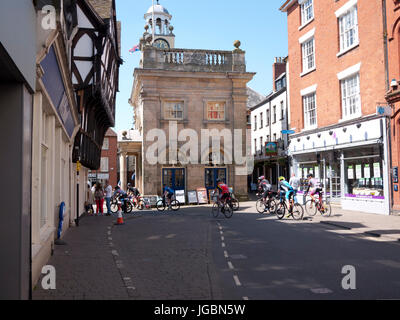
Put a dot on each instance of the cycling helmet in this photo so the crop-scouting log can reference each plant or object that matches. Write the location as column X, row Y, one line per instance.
column 310, row 176
column 117, row 188
column 281, row 178
column 261, row 178
column 129, row 185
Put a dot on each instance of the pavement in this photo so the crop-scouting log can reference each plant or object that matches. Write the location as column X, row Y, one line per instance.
column 189, row 255
column 370, row 224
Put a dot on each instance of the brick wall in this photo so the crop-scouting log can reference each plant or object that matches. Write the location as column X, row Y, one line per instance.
column 369, row 52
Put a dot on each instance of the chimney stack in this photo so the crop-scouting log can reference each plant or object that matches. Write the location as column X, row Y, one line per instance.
column 278, row 68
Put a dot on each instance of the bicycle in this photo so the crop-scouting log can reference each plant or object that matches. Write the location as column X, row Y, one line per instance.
column 267, row 204
column 116, row 203
column 226, row 208
column 322, row 206
column 161, row 205
column 295, row 209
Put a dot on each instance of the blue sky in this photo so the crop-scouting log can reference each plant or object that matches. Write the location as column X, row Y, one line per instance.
column 206, row 24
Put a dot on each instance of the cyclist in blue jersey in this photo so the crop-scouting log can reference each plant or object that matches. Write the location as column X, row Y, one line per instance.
column 122, row 196
column 287, row 189
column 167, row 194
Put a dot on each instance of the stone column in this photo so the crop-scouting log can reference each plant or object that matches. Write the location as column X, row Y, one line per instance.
column 122, row 170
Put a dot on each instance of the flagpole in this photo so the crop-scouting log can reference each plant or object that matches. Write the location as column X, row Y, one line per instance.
column 153, row 26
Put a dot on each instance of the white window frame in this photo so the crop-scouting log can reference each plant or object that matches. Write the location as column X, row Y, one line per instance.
column 104, row 167
column 170, row 110
column 304, row 6
column 349, row 10
column 211, row 103
column 308, row 56
column 307, row 93
column 106, row 144
column 351, row 103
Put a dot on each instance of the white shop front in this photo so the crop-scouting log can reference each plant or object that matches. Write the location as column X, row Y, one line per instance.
column 350, row 159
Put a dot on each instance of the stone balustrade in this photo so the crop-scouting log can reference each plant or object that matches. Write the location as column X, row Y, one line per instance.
column 193, row 60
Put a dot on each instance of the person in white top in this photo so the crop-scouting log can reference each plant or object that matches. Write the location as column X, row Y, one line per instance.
column 108, row 192
column 295, row 183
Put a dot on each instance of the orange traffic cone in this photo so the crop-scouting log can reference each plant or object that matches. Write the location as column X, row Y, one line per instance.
column 120, row 220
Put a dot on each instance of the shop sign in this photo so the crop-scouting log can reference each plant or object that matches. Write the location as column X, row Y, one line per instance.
column 192, row 196
column 54, row 84
column 367, row 172
column 316, row 170
column 358, row 171
column 350, row 172
column 180, row 196
column 271, row 149
column 384, row 110
column 377, row 170
column 202, row 195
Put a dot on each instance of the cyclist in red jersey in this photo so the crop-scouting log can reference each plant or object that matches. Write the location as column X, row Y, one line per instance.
column 223, row 190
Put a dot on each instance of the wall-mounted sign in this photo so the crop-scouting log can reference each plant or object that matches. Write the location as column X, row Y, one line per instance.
column 271, row 148
column 395, row 174
column 384, row 110
column 288, row 131
column 54, row 84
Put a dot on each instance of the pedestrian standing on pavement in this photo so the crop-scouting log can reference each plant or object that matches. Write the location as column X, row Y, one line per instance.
column 89, row 201
column 108, row 193
column 295, row 183
column 99, row 197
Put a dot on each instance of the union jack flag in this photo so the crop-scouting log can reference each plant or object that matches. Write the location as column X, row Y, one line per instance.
column 134, row 49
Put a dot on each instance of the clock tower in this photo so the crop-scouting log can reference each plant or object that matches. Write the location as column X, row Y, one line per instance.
column 163, row 30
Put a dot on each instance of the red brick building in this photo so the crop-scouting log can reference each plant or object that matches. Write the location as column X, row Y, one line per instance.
column 393, row 95
column 337, row 78
column 108, row 167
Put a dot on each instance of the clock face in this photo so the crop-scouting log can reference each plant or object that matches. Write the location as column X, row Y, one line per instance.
column 161, row 44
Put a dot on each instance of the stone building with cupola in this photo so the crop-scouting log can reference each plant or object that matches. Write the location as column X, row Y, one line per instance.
column 183, row 92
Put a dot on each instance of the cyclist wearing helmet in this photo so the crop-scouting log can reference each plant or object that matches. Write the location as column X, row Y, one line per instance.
column 168, row 193
column 223, row 190
column 285, row 188
column 122, row 195
column 315, row 186
column 264, row 186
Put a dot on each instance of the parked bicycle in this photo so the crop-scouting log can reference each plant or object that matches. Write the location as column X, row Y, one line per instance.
column 295, row 210
column 322, row 206
column 267, row 204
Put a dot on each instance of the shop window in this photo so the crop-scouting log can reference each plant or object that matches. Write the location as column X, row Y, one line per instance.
column 364, row 178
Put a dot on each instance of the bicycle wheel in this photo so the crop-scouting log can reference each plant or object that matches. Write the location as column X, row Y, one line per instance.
column 128, row 207
column 297, row 212
column 280, row 210
column 114, row 207
column 326, row 209
column 215, row 210
column 228, row 210
column 235, row 204
column 140, row 205
column 272, row 205
column 175, row 205
column 311, row 208
column 260, row 206
column 160, row 205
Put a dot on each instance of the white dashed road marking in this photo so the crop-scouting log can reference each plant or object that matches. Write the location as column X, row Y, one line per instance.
column 230, row 265
column 237, row 282
column 226, row 254
column 223, row 244
column 245, row 298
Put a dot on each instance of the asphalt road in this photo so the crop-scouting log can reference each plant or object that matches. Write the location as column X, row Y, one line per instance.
column 191, row 255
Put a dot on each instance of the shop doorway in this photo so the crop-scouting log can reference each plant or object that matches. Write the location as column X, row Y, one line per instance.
column 211, row 175
column 174, row 178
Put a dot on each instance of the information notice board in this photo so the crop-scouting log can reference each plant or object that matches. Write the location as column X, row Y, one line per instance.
column 202, row 195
